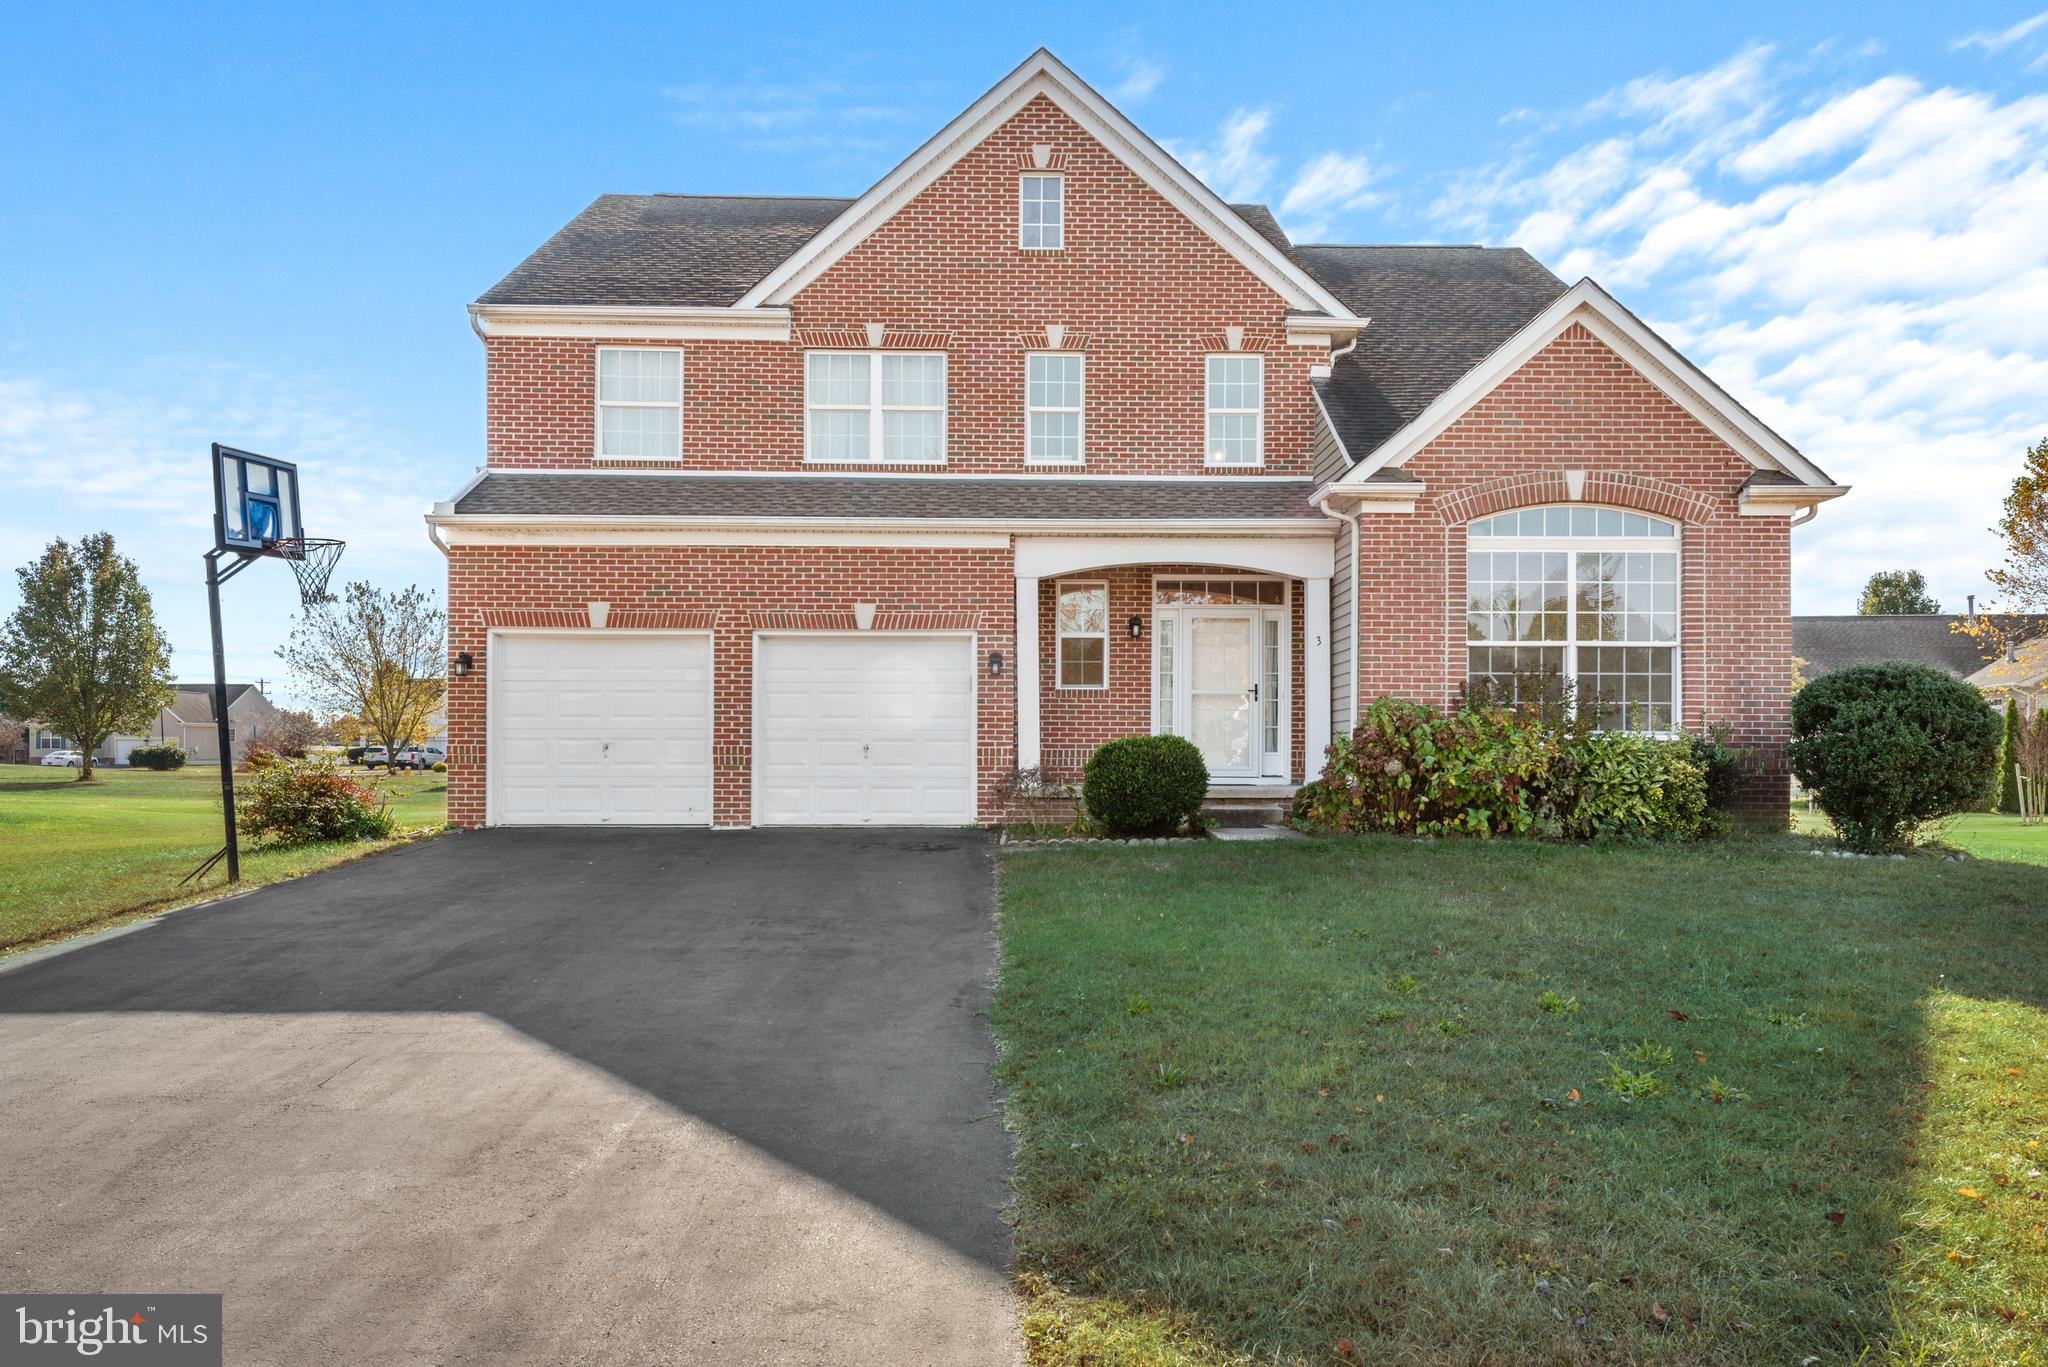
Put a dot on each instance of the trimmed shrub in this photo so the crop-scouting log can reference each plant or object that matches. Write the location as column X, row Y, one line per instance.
column 439, row 766
column 1632, row 786
column 309, row 803
column 1722, row 766
column 160, row 757
column 1410, row 769
column 1145, row 786
column 1886, row 747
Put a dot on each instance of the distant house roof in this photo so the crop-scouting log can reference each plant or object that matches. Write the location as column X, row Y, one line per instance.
column 193, row 702
column 1827, row 644
column 950, row 497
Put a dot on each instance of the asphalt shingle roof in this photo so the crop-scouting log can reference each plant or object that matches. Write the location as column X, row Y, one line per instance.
column 951, row 496
column 1436, row 312
column 1827, row 644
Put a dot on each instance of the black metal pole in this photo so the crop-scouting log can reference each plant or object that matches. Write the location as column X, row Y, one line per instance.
column 220, row 719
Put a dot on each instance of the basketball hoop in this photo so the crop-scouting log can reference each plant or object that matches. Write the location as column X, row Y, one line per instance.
column 312, row 559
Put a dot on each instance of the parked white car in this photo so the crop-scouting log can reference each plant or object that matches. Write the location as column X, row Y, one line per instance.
column 420, row 757
column 63, row 759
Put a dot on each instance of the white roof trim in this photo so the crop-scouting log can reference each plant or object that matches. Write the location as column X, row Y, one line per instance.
column 1044, row 74
column 1680, row 380
column 630, row 321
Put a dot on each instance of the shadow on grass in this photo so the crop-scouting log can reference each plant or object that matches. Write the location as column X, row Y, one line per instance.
column 1300, row 1096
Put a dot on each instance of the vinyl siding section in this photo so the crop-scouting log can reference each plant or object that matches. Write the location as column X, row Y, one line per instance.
column 1328, row 461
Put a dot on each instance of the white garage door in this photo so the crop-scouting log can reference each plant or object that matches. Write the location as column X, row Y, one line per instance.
column 599, row 729
column 864, row 731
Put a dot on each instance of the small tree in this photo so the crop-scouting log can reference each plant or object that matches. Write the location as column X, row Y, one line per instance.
column 1896, row 591
column 2031, row 771
column 381, row 656
column 292, row 733
column 82, row 653
column 2023, row 580
column 2009, row 759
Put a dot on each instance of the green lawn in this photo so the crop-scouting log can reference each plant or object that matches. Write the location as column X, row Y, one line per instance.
column 1378, row 1101
column 1988, row 835
column 74, row 854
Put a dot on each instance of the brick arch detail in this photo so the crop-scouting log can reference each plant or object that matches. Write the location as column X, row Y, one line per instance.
column 1613, row 488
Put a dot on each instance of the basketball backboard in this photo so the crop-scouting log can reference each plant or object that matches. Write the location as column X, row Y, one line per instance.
column 255, row 500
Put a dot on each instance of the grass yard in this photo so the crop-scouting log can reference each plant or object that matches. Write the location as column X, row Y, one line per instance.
column 1374, row 1101
column 73, row 855
column 1988, row 835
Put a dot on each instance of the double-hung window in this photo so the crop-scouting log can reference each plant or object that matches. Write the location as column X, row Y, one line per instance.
column 1576, row 594
column 639, row 403
column 878, row 407
column 1081, row 629
column 1053, row 386
column 1236, row 389
column 1042, row 213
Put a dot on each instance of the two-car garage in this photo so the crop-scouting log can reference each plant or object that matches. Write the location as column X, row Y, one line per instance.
column 618, row 728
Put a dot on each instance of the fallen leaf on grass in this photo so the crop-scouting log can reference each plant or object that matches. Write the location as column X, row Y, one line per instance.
column 1970, row 1192
column 1344, row 1348
column 1678, row 1015
column 1572, row 1095
column 1659, row 1313
column 1308, row 1148
column 1835, row 1217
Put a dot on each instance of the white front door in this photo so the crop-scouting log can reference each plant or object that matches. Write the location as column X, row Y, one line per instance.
column 600, row 728
column 864, row 730
column 1222, row 690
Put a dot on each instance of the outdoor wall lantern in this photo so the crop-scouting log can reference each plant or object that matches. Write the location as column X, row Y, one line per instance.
column 1137, row 626
column 995, row 663
column 463, row 664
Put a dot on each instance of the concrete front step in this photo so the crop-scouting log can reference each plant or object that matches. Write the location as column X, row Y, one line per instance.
column 1266, row 804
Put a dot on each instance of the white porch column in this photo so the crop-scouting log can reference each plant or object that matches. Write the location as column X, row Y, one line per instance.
column 1027, row 670
column 1315, row 663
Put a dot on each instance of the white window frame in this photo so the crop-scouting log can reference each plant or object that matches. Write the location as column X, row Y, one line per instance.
column 602, row 403
column 1208, row 456
column 1060, row 588
column 1571, row 547
column 1079, row 410
column 1042, row 245
column 877, row 455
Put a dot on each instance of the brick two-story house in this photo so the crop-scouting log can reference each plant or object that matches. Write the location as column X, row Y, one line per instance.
column 805, row 511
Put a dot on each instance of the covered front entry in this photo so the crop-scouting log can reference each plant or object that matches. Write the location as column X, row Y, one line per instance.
column 1225, row 641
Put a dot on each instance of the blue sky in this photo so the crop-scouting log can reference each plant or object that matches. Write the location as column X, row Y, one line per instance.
column 261, row 225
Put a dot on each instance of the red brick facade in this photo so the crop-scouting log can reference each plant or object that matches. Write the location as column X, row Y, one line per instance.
column 1578, row 406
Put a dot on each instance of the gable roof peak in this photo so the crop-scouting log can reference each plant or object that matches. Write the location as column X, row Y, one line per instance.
column 1042, row 73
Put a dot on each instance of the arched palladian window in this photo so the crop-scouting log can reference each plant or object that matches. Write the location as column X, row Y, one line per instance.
column 1584, row 594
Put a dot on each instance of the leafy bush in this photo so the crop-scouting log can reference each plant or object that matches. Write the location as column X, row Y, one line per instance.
column 439, row 766
column 159, row 757
column 1885, row 747
column 258, row 757
column 1616, row 783
column 309, row 803
column 1410, row 769
column 1723, row 766
column 1145, row 785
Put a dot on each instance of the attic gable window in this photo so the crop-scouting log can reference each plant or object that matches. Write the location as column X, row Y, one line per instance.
column 1041, row 213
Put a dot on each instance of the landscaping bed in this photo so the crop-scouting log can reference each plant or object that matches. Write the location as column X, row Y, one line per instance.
column 76, row 855
column 1373, row 1100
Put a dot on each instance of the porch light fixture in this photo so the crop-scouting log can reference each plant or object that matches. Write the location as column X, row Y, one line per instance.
column 1137, row 626
column 464, row 664
column 995, row 663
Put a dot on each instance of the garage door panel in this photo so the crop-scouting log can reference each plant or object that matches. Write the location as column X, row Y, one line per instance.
column 592, row 729
column 864, row 730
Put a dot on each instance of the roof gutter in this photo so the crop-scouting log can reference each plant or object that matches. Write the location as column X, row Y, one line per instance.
column 1120, row 526
column 684, row 322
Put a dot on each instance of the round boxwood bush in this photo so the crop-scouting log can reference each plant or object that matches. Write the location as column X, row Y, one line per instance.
column 1145, row 785
column 1885, row 747
column 166, row 756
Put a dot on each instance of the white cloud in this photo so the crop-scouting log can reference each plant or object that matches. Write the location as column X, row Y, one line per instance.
column 1869, row 275
column 1332, row 183
column 1236, row 166
column 1142, row 76
column 1997, row 40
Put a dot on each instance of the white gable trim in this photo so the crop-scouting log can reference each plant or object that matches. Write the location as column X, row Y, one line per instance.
column 1587, row 305
column 1044, row 74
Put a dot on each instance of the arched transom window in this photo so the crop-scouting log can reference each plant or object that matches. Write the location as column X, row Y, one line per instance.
column 1588, row 595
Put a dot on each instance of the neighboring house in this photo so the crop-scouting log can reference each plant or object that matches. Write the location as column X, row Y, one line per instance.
column 2021, row 674
column 826, row 511
column 187, row 721
column 1823, row 645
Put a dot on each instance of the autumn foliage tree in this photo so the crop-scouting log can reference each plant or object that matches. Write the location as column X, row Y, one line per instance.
column 82, row 654
column 2023, row 579
column 380, row 656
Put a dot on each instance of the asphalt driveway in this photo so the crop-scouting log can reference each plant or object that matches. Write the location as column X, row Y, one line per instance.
column 535, row 1096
